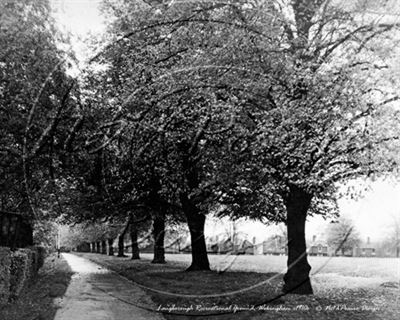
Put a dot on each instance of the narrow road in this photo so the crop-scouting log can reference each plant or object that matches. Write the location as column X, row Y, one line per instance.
column 96, row 293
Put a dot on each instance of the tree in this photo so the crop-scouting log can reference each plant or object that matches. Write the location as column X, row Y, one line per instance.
column 45, row 234
column 324, row 124
column 392, row 241
column 327, row 127
column 36, row 105
column 179, row 123
column 121, row 237
column 224, row 103
column 97, row 234
column 342, row 235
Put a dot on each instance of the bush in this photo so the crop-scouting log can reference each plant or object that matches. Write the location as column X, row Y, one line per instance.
column 20, row 272
column 41, row 256
column 38, row 256
column 18, row 269
column 5, row 263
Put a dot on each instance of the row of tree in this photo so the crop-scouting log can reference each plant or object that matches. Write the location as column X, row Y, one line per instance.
column 252, row 109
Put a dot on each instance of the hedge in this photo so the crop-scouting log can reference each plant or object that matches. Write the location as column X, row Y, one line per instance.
column 20, row 273
column 5, row 264
column 17, row 270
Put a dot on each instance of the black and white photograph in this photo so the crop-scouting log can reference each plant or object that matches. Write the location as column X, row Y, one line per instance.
column 199, row 159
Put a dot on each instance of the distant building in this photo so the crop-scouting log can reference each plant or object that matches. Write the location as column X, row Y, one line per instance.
column 365, row 249
column 176, row 245
column 225, row 245
column 275, row 245
column 388, row 249
column 318, row 247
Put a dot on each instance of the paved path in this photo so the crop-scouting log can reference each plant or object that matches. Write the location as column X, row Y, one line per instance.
column 96, row 293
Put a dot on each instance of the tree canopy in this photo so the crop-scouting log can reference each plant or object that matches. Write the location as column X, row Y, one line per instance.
column 255, row 109
column 36, row 104
column 343, row 235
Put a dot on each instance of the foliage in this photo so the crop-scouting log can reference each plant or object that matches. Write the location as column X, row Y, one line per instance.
column 178, row 99
column 72, row 236
column 5, row 262
column 219, row 106
column 23, row 269
column 318, row 125
column 35, row 104
column 392, row 240
column 342, row 235
column 45, row 233
column 226, row 106
column 38, row 300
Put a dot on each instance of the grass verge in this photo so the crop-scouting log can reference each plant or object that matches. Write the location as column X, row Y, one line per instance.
column 180, row 294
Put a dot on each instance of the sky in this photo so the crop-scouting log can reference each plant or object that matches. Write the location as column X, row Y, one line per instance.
column 78, row 16
column 79, row 19
column 373, row 214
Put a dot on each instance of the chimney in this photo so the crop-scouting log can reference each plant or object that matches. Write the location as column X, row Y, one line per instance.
column 314, row 237
column 367, row 240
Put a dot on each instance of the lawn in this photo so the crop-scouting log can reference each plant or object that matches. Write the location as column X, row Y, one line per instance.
column 346, row 266
column 249, row 287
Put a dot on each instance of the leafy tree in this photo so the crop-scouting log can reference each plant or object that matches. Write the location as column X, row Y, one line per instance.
column 327, row 127
column 392, row 241
column 324, row 124
column 261, row 110
column 36, row 105
column 342, row 235
column 45, row 234
column 179, row 125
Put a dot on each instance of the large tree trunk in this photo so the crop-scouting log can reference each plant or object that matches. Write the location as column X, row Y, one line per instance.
column 110, row 247
column 121, row 251
column 121, row 246
column 196, row 222
column 134, row 241
column 297, row 279
column 103, row 247
column 98, row 247
column 158, row 235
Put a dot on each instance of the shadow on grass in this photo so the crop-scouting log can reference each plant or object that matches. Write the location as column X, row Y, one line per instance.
column 178, row 287
column 169, row 285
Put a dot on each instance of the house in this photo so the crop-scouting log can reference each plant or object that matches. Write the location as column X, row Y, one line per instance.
column 275, row 245
column 212, row 244
column 246, row 247
column 365, row 249
column 175, row 246
column 365, row 252
column 226, row 245
column 387, row 248
column 318, row 248
column 345, row 252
